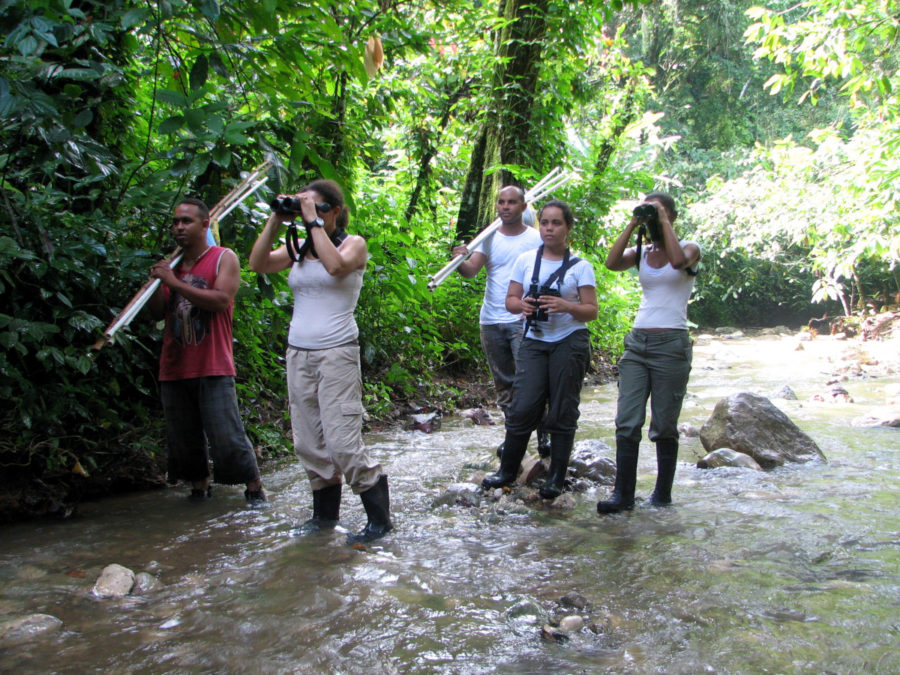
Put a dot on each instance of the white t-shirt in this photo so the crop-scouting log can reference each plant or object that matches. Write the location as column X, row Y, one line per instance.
column 563, row 324
column 666, row 294
column 501, row 252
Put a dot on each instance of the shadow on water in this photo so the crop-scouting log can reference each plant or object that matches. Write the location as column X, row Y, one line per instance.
column 793, row 570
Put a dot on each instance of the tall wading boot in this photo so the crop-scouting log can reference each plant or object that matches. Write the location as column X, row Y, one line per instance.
column 666, row 457
column 326, row 511
column 377, row 503
column 560, row 451
column 544, row 444
column 513, row 451
column 622, row 498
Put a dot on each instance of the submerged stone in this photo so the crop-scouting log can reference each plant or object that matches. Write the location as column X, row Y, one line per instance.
column 572, row 623
column 728, row 457
column 27, row 628
column 462, row 494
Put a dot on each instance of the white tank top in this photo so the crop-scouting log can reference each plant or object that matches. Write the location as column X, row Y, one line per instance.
column 323, row 306
column 666, row 294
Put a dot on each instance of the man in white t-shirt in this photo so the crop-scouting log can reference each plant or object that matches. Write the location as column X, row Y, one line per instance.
column 501, row 332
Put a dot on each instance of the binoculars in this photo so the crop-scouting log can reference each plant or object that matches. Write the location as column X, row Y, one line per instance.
column 287, row 206
column 535, row 292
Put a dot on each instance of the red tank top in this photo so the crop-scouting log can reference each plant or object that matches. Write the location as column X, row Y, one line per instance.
column 196, row 342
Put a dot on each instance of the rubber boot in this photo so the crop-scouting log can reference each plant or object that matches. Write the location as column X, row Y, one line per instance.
column 560, row 451
column 666, row 457
column 377, row 503
column 622, row 498
column 326, row 511
column 544, row 444
column 513, row 451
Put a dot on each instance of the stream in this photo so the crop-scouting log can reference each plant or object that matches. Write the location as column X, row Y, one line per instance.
column 794, row 570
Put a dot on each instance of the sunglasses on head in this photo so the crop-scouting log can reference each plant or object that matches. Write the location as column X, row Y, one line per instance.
column 324, row 207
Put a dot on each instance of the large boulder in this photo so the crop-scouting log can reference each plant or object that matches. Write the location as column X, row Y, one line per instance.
column 751, row 424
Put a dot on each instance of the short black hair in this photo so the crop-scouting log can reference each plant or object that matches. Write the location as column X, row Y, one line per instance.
column 199, row 203
column 562, row 206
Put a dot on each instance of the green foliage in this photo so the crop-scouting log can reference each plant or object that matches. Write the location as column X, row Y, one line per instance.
column 817, row 211
column 823, row 41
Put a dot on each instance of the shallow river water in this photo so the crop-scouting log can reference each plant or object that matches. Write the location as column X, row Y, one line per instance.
column 795, row 570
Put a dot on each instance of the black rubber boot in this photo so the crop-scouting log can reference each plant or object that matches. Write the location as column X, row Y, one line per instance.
column 560, row 451
column 543, row 442
column 666, row 458
column 326, row 511
column 377, row 503
column 513, row 451
column 622, row 498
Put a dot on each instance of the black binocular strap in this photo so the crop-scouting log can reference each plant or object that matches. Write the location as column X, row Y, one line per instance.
column 690, row 271
column 296, row 252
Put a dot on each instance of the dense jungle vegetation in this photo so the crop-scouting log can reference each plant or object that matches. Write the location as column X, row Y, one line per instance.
column 775, row 127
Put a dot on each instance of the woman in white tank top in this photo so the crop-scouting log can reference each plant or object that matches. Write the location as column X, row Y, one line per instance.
column 323, row 372
column 657, row 359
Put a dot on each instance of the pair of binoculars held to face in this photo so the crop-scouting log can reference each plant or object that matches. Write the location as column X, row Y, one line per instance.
column 290, row 206
column 648, row 217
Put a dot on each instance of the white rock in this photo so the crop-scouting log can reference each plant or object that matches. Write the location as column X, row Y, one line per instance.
column 572, row 624
column 144, row 583
column 115, row 581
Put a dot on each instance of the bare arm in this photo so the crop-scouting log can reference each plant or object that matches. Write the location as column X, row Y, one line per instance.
column 473, row 265
column 263, row 260
column 515, row 301
column 620, row 257
column 674, row 252
column 339, row 262
column 215, row 299
column 584, row 310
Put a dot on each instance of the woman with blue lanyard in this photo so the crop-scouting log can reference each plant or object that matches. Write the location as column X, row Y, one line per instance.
column 657, row 359
column 556, row 294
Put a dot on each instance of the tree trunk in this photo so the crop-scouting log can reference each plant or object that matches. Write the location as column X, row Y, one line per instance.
column 507, row 135
column 431, row 151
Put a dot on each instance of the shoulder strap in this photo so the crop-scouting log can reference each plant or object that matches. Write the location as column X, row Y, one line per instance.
column 535, row 275
column 560, row 274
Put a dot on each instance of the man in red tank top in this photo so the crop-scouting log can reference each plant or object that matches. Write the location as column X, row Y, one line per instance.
column 196, row 367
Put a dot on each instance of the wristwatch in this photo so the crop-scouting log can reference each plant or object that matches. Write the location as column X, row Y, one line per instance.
column 318, row 222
